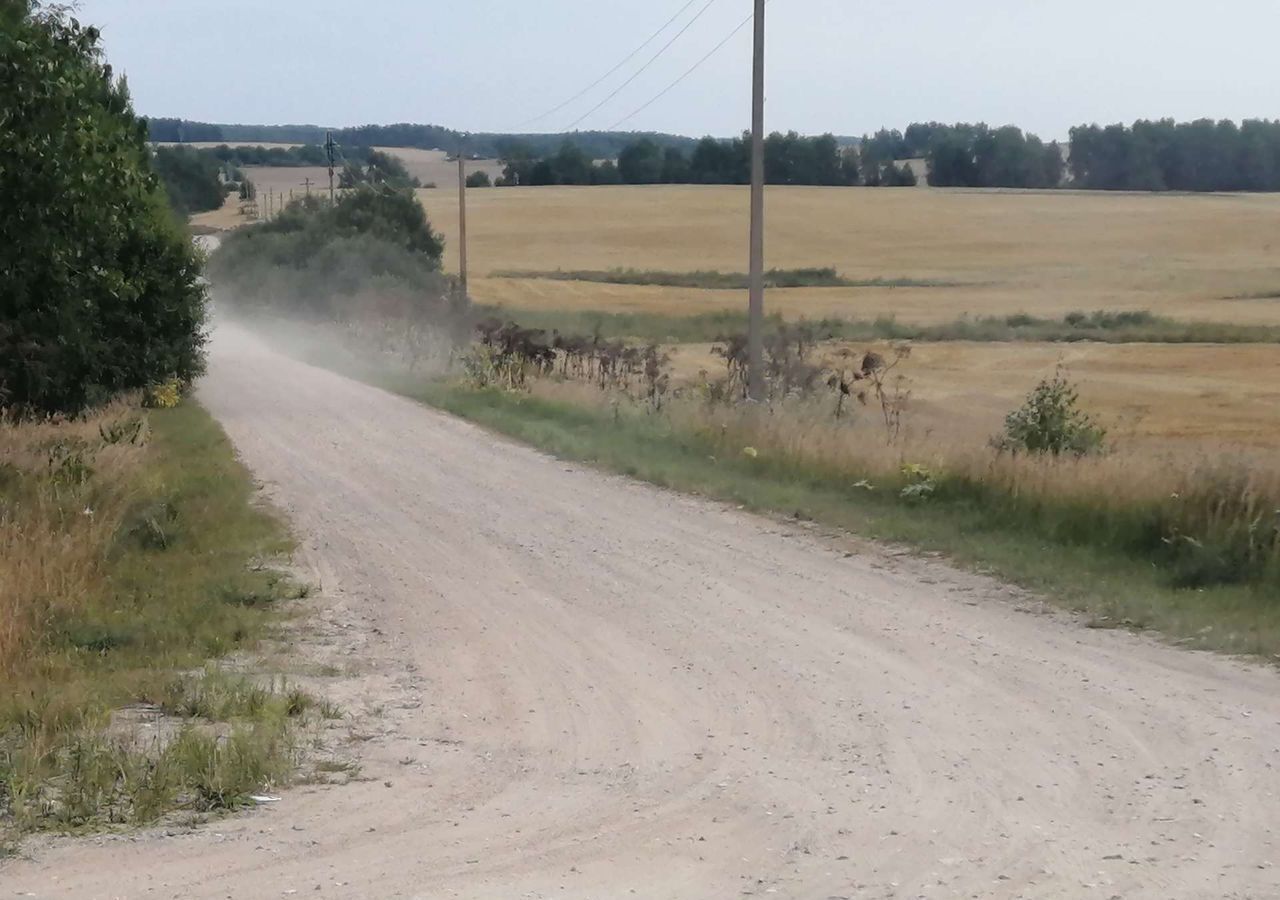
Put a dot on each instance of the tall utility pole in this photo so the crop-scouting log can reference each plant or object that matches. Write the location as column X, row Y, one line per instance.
column 462, row 213
column 755, row 315
column 330, row 149
column 306, row 183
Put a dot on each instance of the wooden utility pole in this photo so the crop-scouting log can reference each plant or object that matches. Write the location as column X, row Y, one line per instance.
column 755, row 315
column 330, row 149
column 462, row 214
column 307, row 182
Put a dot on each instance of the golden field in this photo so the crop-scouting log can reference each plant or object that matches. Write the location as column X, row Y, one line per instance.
column 1044, row 253
column 1160, row 396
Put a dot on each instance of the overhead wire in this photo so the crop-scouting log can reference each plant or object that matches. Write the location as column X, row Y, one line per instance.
column 634, row 53
column 665, row 47
column 669, row 88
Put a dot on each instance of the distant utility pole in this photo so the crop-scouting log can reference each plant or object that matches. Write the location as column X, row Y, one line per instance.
column 755, row 315
column 462, row 213
column 307, row 182
column 331, row 151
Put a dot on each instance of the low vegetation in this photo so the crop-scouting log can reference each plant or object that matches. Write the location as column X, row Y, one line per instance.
column 1100, row 326
column 370, row 263
column 722, row 281
column 131, row 552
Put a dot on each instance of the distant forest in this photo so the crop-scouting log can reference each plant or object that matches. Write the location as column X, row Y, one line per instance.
column 597, row 144
column 1162, row 155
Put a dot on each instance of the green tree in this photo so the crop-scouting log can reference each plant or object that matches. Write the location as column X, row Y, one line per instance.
column 191, row 180
column 606, row 173
column 99, row 286
column 641, row 163
column 479, row 179
column 675, row 168
column 571, row 165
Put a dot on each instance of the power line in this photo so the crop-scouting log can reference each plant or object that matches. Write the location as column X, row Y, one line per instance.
column 644, row 68
column 669, row 88
column 634, row 53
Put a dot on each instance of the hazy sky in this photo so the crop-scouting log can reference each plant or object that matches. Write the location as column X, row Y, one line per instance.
column 846, row 66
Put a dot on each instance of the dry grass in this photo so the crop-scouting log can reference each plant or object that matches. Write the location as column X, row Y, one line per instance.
column 130, row 552
column 67, row 496
column 1044, row 253
column 1201, row 398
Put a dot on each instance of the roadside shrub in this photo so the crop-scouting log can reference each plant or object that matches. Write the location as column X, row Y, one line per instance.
column 371, row 251
column 191, row 180
column 1050, row 421
column 98, row 284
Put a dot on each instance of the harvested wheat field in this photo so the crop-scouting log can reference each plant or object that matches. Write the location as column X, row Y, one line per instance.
column 435, row 166
column 1001, row 252
column 1195, row 397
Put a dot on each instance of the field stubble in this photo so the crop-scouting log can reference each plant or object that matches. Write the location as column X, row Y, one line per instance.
column 1042, row 253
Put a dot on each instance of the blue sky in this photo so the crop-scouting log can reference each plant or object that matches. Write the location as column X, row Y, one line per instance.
column 846, row 66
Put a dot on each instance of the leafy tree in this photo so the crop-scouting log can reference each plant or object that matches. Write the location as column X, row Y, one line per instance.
column 675, row 168
column 373, row 253
column 571, row 165
column 952, row 162
column 898, row 175
column 479, row 179
column 191, row 180
column 379, row 169
column 641, row 163
column 1190, row 156
column 884, row 146
column 850, row 167
column 542, row 173
column 390, row 215
column 606, row 173
column 100, row 285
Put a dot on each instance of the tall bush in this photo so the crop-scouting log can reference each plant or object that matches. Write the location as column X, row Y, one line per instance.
column 99, row 288
column 1051, row 421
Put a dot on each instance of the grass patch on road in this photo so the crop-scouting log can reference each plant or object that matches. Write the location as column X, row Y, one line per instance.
column 1134, row 327
column 711, row 280
column 132, row 551
column 1072, row 555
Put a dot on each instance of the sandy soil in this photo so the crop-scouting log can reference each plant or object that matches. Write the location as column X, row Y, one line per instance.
column 579, row 686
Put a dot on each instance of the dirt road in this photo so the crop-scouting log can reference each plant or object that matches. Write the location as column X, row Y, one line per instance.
column 583, row 687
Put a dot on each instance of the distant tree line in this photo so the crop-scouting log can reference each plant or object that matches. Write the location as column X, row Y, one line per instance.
column 1167, row 156
column 596, row 144
column 965, row 155
column 789, row 159
column 304, row 155
column 1149, row 155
